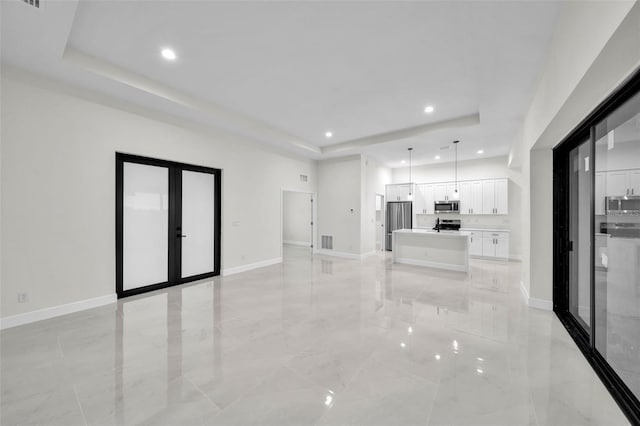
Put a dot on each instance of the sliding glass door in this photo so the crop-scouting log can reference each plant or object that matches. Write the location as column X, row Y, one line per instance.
column 580, row 178
column 597, row 241
column 168, row 223
column 617, row 237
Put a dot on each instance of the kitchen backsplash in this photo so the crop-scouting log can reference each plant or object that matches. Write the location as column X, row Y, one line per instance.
column 466, row 221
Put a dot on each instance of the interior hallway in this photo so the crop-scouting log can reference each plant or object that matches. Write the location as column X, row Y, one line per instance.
column 315, row 340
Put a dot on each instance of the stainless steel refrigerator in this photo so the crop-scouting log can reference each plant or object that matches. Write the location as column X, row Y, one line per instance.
column 398, row 217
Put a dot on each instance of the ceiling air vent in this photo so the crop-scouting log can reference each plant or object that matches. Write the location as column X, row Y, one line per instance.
column 304, row 178
column 34, row 3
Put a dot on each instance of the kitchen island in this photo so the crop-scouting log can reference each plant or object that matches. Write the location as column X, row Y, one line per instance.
column 443, row 250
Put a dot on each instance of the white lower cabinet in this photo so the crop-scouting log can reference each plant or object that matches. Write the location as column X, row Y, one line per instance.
column 475, row 246
column 489, row 244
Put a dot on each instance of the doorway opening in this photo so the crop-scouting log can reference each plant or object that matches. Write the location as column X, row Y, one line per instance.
column 167, row 223
column 380, row 235
column 297, row 222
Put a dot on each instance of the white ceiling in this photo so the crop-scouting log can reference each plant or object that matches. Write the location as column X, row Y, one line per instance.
column 285, row 72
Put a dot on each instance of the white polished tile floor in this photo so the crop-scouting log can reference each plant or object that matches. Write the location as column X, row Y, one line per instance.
column 313, row 341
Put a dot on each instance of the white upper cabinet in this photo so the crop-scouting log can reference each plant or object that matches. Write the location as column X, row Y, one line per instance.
column 423, row 203
column 465, row 198
column 622, row 182
column 634, row 182
column 451, row 189
column 495, row 196
column 502, row 196
column 440, row 192
column 399, row 192
column 419, row 201
column 488, row 197
column 476, row 197
column 471, row 197
column 617, row 183
column 444, row 191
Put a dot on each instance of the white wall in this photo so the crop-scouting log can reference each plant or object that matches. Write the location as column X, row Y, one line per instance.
column 596, row 46
column 485, row 168
column 296, row 211
column 339, row 203
column 374, row 178
column 58, row 190
column 541, row 251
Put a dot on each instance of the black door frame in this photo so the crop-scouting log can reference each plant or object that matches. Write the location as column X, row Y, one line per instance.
column 623, row 396
column 175, row 219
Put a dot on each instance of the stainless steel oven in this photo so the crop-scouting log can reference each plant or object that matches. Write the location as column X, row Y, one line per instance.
column 447, row 207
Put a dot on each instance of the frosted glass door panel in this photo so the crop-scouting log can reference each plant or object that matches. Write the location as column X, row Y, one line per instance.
column 145, row 225
column 197, row 223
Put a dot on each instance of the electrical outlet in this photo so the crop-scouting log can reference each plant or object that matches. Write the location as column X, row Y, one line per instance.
column 23, row 297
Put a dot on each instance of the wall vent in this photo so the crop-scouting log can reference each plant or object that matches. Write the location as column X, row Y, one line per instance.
column 304, row 178
column 34, row 3
column 327, row 242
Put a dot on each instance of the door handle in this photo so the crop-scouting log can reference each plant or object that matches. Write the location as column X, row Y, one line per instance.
column 181, row 236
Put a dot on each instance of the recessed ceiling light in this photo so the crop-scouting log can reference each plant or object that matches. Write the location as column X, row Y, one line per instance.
column 437, row 157
column 328, row 134
column 169, row 54
column 429, row 109
column 403, row 161
column 480, row 151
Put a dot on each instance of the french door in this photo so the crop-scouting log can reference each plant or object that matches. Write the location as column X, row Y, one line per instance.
column 167, row 223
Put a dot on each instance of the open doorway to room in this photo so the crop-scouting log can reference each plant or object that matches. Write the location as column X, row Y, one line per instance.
column 380, row 222
column 297, row 222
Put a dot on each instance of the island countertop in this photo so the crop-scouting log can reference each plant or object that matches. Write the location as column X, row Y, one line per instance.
column 433, row 232
column 426, row 247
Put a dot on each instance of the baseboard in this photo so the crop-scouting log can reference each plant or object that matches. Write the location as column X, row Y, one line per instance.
column 428, row 264
column 338, row 254
column 545, row 305
column 532, row 302
column 250, row 266
column 369, row 254
column 56, row 311
column 297, row 243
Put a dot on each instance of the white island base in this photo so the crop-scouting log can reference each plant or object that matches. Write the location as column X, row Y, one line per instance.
column 444, row 250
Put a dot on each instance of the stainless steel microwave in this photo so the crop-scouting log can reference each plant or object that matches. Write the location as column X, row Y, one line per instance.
column 624, row 205
column 447, row 207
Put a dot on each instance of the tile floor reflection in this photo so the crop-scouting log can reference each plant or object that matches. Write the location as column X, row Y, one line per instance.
column 313, row 341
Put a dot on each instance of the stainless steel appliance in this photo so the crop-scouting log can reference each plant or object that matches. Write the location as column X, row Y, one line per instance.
column 446, row 207
column 623, row 205
column 621, row 230
column 447, row 225
column 398, row 217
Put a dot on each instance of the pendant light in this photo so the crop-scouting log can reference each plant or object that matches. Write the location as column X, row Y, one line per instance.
column 456, row 193
column 410, row 182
